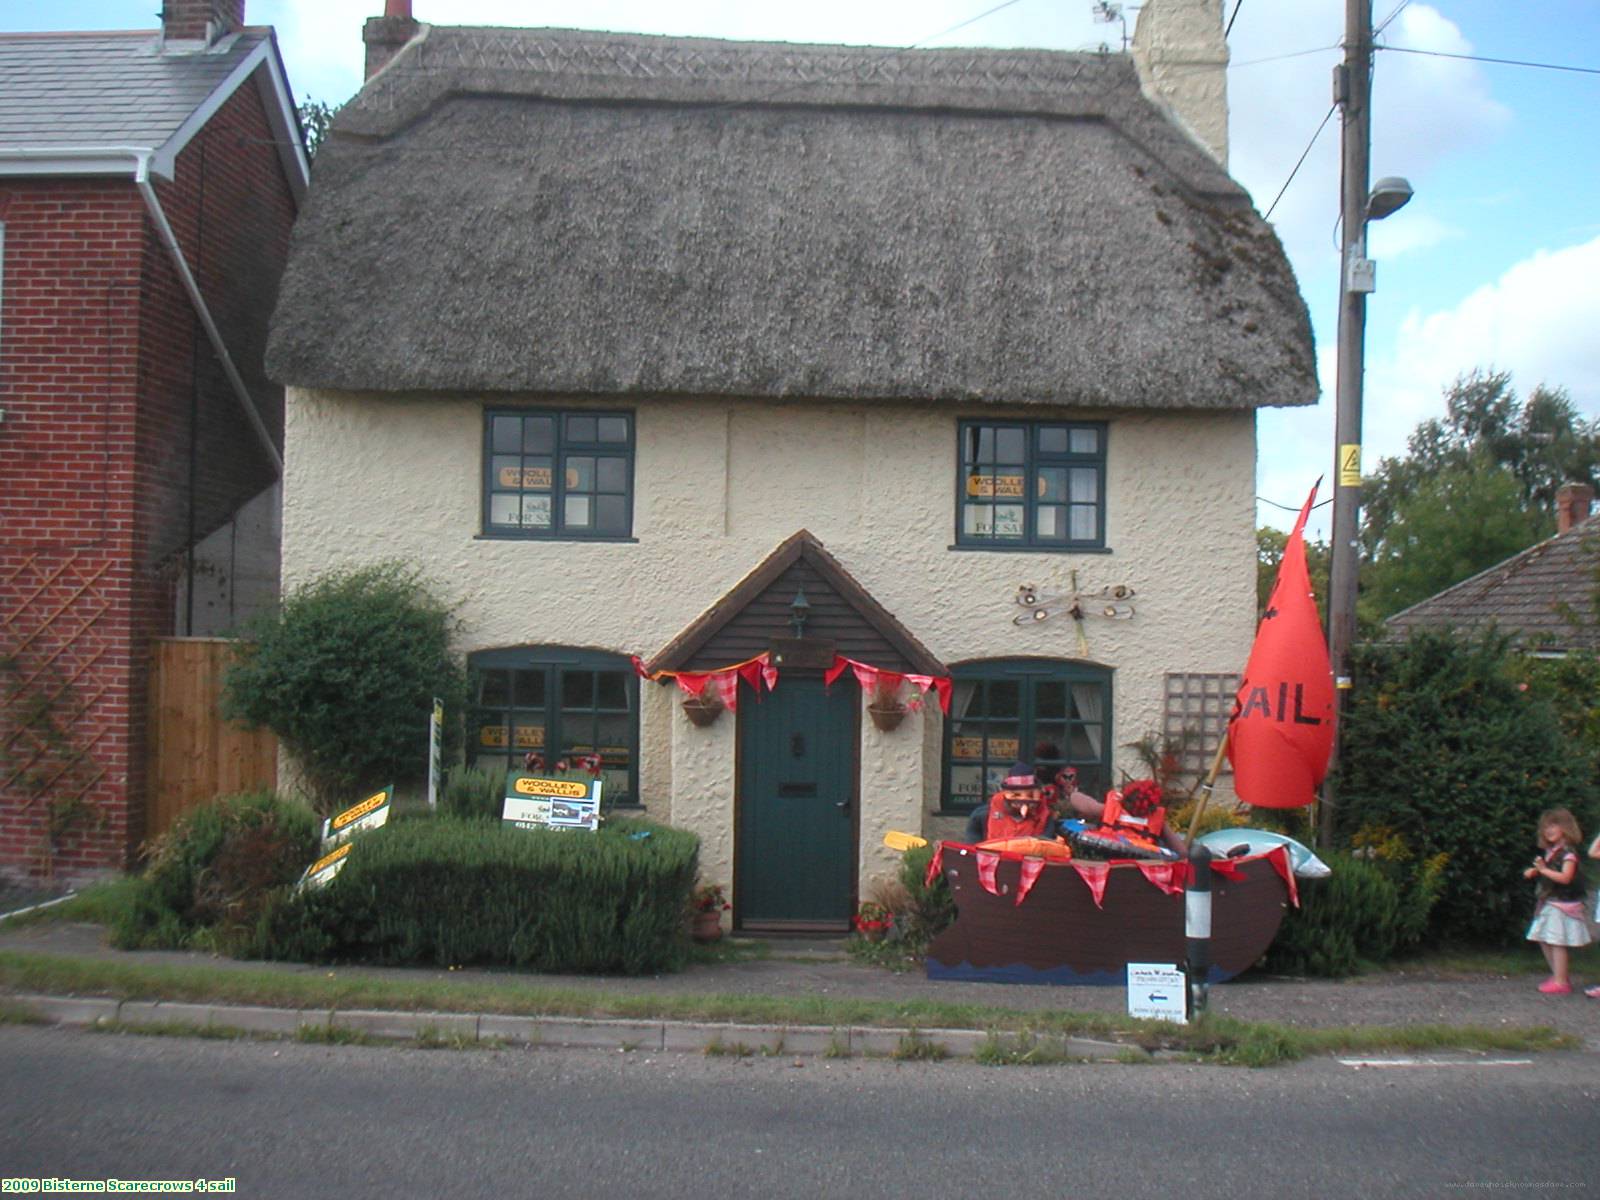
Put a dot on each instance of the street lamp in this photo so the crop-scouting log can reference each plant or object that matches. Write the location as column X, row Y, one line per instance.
column 1352, row 88
column 1389, row 195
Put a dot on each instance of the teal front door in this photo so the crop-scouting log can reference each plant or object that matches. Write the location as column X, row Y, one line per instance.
column 796, row 847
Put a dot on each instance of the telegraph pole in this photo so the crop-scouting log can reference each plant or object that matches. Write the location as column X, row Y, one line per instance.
column 1353, row 92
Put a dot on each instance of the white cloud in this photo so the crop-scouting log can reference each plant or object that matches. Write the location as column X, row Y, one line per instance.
column 1536, row 321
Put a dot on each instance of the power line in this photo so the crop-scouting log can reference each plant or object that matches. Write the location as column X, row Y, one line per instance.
column 1332, row 108
column 1504, row 62
column 1237, row 5
column 1384, row 24
column 963, row 24
column 1252, row 62
column 1294, row 508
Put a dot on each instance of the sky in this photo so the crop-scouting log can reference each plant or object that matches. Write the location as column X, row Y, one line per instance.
column 1495, row 263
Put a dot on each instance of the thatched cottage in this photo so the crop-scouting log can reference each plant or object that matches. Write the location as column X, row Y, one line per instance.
column 797, row 359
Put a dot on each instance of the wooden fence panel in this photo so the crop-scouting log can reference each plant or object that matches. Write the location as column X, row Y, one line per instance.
column 196, row 755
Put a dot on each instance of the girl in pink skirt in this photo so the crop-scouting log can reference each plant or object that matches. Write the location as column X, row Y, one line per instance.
column 1558, row 921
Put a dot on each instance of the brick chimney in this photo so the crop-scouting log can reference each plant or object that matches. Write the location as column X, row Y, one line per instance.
column 1573, row 504
column 200, row 20
column 387, row 35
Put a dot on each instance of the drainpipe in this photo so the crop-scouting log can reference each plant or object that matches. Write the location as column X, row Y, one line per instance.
column 141, row 179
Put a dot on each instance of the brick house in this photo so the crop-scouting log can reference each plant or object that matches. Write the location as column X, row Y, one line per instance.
column 715, row 354
column 148, row 182
column 1546, row 598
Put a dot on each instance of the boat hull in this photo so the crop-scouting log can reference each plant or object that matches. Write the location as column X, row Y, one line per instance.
column 1059, row 935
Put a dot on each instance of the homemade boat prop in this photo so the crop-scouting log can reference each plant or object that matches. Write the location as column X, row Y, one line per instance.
column 1024, row 915
column 1022, row 919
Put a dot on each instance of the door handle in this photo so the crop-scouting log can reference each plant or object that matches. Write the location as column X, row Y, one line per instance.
column 842, row 805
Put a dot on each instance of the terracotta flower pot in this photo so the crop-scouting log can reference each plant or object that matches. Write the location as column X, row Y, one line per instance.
column 706, row 925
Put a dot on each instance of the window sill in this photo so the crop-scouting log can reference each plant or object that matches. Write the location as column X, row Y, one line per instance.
column 551, row 537
column 1031, row 549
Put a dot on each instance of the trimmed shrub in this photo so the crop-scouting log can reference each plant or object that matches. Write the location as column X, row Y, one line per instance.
column 476, row 793
column 1374, row 906
column 1443, row 747
column 346, row 674
column 1347, row 917
column 211, row 876
column 930, row 910
column 456, row 892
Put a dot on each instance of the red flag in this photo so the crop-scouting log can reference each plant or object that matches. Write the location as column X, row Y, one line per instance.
column 1281, row 733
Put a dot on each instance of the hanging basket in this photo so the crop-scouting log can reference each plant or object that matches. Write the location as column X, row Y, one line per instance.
column 886, row 716
column 702, row 709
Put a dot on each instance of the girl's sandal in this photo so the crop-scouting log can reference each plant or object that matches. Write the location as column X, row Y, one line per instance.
column 1592, row 992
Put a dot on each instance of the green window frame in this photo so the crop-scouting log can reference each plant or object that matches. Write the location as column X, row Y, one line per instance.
column 560, row 702
column 558, row 474
column 1045, row 712
column 1035, row 485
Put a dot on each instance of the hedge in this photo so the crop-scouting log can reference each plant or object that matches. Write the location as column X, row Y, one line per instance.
column 454, row 892
column 210, row 877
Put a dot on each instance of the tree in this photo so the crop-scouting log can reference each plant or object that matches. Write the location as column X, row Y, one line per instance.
column 1457, row 521
column 315, row 118
column 1542, row 443
column 345, row 675
column 1269, row 554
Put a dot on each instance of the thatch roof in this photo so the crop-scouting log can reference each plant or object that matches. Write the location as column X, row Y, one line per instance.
column 1546, row 598
column 553, row 211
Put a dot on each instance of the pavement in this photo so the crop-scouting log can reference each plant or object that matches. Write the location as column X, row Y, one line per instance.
column 821, row 968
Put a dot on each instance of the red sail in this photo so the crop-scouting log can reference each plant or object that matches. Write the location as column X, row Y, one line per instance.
column 1281, row 734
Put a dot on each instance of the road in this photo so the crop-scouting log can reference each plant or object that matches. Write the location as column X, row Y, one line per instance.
column 302, row 1122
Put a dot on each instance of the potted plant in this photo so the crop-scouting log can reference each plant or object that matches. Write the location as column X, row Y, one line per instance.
column 704, row 708
column 872, row 920
column 706, row 906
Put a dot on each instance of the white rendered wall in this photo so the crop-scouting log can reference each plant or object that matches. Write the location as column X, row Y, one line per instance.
column 1182, row 59
column 718, row 484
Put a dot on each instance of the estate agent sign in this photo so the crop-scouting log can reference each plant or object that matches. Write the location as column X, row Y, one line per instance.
column 370, row 813
column 535, row 802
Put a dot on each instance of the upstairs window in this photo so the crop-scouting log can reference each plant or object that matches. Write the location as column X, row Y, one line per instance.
column 550, row 474
column 1032, row 485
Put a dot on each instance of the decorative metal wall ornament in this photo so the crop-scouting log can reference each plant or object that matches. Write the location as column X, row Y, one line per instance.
column 1110, row 602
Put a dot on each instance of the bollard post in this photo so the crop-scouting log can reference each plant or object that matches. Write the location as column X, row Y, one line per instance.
column 1197, row 929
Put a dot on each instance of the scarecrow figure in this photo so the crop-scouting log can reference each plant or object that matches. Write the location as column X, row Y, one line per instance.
column 1130, row 824
column 1020, row 809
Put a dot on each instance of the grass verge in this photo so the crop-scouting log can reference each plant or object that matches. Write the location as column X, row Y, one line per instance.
column 1211, row 1039
column 98, row 903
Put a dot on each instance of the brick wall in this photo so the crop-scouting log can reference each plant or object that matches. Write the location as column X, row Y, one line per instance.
column 68, row 365
column 107, row 383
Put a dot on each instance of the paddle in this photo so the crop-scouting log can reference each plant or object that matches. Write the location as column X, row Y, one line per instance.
column 897, row 840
